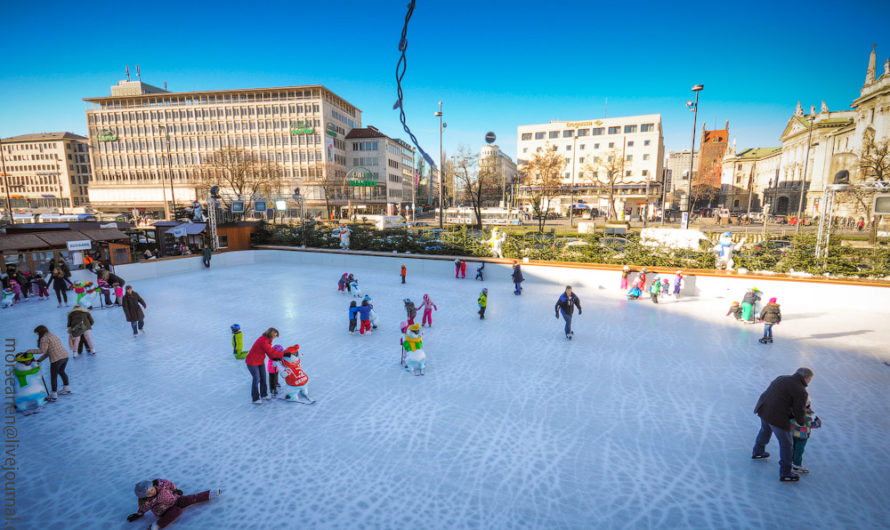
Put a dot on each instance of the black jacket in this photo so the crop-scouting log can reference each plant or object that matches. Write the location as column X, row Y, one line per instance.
column 771, row 314
column 750, row 297
column 567, row 304
column 517, row 274
column 77, row 316
column 130, row 303
column 785, row 398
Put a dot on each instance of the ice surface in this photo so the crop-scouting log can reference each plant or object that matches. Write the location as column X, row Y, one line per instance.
column 644, row 420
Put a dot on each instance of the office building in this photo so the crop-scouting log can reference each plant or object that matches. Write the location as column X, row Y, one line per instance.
column 505, row 169
column 381, row 171
column 45, row 171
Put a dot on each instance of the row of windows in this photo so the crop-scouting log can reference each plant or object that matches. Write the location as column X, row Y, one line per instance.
column 41, row 146
column 167, row 100
column 161, row 130
column 112, row 118
column 204, row 142
column 155, row 175
column 197, row 159
column 364, row 146
column 395, row 179
column 392, row 163
column 344, row 119
column 581, row 147
column 596, row 131
column 366, row 161
column 581, row 174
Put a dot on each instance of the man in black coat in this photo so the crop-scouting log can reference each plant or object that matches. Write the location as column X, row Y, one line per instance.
column 785, row 398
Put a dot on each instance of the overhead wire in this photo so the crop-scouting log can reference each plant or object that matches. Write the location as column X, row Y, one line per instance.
column 401, row 68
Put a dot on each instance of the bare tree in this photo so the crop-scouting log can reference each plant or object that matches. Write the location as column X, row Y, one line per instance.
column 874, row 173
column 543, row 178
column 241, row 172
column 607, row 171
column 475, row 180
column 333, row 186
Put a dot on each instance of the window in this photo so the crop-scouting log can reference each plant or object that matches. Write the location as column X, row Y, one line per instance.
column 526, row 136
column 582, row 147
column 645, row 172
column 630, row 128
column 596, row 146
column 646, row 156
column 611, row 145
column 553, row 134
column 555, row 147
column 630, row 144
column 568, row 148
column 583, row 132
column 629, row 158
column 645, row 142
column 628, row 173
column 598, row 131
column 567, row 134
column 539, row 136
column 568, row 161
column 614, row 130
column 538, row 150
column 525, row 149
column 647, row 127
column 581, row 160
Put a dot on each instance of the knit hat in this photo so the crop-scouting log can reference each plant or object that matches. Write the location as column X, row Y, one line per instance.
column 772, row 300
column 278, row 347
column 626, row 268
column 142, row 488
column 735, row 303
column 485, row 290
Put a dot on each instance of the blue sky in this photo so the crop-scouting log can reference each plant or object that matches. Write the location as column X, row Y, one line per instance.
column 495, row 64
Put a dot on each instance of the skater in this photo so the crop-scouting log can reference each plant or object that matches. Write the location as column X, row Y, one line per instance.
column 273, row 371
column 735, row 310
column 364, row 314
column 415, row 358
column 42, row 290
column 410, row 310
column 105, row 291
column 370, row 301
column 403, row 273
column 635, row 292
column 80, row 322
column 403, row 327
column 353, row 317
column 479, row 272
column 59, row 286
column 238, row 350
column 483, row 303
column 625, row 272
column 801, row 434
column 642, row 278
column 463, row 269
column 785, row 398
column 349, row 280
column 770, row 316
column 207, row 254
column 343, row 283
column 16, row 289
column 565, row 305
column 517, row 278
column 427, row 306
column 665, row 286
column 752, row 296
column 118, row 293
column 457, row 268
column 678, row 284
column 133, row 312
column 296, row 382
column 50, row 346
column 165, row 500
column 654, row 289
column 261, row 349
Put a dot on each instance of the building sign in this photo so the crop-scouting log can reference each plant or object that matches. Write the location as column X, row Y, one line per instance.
column 332, row 129
column 301, row 127
column 107, row 135
column 48, row 196
column 329, row 148
column 83, row 244
column 361, row 177
column 579, row 123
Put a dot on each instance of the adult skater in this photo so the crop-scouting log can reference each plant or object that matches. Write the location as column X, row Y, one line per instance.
column 785, row 398
column 256, row 364
column 517, row 278
column 132, row 311
column 50, row 346
column 752, row 296
column 207, row 254
column 62, row 265
column 80, row 322
column 566, row 306
column 60, row 286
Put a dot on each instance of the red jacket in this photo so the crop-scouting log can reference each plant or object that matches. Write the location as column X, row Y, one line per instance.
column 260, row 350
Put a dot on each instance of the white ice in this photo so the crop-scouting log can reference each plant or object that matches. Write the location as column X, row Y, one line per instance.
column 644, row 420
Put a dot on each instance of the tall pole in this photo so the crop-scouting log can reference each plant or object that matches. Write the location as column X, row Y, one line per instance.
column 170, row 169
column 572, row 191
column 803, row 178
column 441, row 170
column 696, row 89
column 6, row 183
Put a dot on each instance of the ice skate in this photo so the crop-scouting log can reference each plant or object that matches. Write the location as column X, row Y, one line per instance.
column 799, row 469
column 52, row 397
column 790, row 477
column 763, row 340
column 65, row 390
column 760, row 456
column 258, row 402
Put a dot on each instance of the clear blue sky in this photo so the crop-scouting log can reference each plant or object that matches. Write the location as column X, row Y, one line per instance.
column 495, row 64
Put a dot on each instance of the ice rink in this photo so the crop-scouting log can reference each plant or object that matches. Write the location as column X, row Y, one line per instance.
column 643, row 421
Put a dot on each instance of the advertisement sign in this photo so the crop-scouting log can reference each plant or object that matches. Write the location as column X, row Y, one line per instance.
column 237, row 206
column 301, row 127
column 684, row 223
column 106, row 135
column 83, row 244
column 259, row 206
column 329, row 147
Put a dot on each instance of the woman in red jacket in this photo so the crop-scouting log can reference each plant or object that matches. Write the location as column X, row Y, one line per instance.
column 256, row 364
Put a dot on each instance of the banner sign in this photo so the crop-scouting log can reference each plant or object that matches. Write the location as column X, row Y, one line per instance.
column 82, row 244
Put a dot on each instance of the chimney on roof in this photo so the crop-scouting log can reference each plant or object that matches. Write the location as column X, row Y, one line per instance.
column 870, row 73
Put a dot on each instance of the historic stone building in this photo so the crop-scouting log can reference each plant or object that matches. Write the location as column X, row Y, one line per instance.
column 706, row 182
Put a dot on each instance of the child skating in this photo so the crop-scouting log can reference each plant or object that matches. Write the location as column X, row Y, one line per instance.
column 343, row 283
column 457, row 268
column 635, row 292
column 800, row 435
column 165, row 500
column 678, row 284
column 752, row 296
column 483, row 303
column 403, row 273
column 238, row 350
column 353, row 316
column 655, row 289
column 273, row 371
column 770, row 316
column 479, row 272
column 427, row 306
column 735, row 310
column 410, row 310
column 518, row 278
column 463, row 269
column 364, row 315
column 625, row 272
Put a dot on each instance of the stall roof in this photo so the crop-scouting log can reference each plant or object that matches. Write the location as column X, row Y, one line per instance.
column 193, row 229
column 104, row 234
column 21, row 242
column 61, row 237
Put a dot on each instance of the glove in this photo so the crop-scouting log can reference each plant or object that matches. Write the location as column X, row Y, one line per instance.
column 133, row 516
column 178, row 492
column 579, row 312
column 557, row 316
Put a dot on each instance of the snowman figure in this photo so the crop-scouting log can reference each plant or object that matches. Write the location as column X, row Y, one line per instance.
column 496, row 242
column 344, row 237
column 30, row 392
column 415, row 358
column 725, row 249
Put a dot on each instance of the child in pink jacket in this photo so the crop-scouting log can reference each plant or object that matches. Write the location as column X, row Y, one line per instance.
column 273, row 371
column 162, row 498
column 428, row 307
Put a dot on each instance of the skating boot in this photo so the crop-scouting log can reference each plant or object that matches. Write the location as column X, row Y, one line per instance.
column 65, row 390
column 790, row 477
column 762, row 340
column 769, row 340
column 52, row 397
column 799, row 469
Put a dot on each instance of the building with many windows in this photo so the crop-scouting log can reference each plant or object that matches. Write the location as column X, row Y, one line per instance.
column 384, row 183
column 48, row 171
column 505, row 169
column 676, row 175
column 587, row 145
column 148, row 143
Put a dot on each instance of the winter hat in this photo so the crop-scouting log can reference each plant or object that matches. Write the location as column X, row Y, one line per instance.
column 403, row 326
column 414, row 327
column 278, row 347
column 679, row 273
column 367, row 298
column 352, row 304
column 426, row 296
column 735, row 303
column 485, row 290
column 644, row 269
column 142, row 488
column 772, row 300
column 236, row 327
column 407, row 300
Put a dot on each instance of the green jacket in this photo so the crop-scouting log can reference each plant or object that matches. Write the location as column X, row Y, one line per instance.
column 483, row 300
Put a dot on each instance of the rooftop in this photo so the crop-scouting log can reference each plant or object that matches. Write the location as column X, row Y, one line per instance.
column 365, row 132
column 43, row 137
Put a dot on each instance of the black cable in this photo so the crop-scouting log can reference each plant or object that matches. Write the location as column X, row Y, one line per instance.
column 401, row 68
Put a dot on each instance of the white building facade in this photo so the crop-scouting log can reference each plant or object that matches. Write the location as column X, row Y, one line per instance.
column 638, row 140
column 505, row 169
column 45, row 171
column 390, row 164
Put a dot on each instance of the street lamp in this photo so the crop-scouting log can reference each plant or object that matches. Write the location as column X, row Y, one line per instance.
column 6, row 183
column 803, row 178
column 572, row 191
column 442, row 126
column 692, row 106
column 170, row 169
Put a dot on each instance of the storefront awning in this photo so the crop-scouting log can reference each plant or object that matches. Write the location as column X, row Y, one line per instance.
column 104, row 234
column 21, row 242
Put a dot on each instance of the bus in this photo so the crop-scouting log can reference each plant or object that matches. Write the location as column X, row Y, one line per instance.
column 490, row 216
column 66, row 217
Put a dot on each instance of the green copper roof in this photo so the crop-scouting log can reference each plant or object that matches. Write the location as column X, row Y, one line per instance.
column 758, row 152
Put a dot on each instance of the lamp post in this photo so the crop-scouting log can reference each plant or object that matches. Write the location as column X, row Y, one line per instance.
column 693, row 106
column 572, row 190
column 170, row 169
column 442, row 126
column 6, row 183
column 803, row 178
